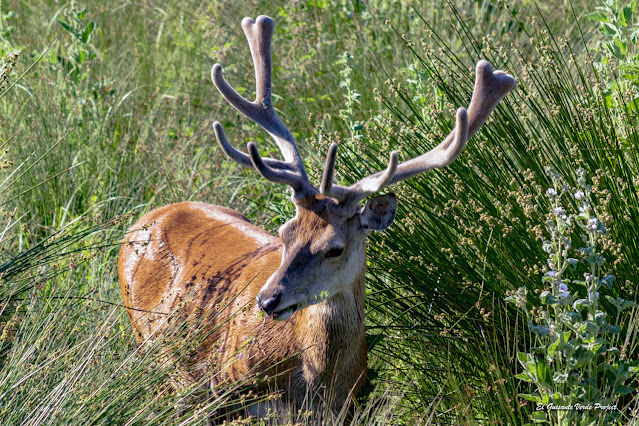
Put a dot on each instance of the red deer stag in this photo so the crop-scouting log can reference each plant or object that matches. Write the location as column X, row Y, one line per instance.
column 193, row 255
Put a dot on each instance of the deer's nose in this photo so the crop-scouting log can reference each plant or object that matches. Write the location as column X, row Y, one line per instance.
column 268, row 304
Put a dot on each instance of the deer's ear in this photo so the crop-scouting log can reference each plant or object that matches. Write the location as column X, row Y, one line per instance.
column 379, row 212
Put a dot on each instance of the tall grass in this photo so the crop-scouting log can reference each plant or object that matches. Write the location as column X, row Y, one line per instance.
column 469, row 233
column 124, row 98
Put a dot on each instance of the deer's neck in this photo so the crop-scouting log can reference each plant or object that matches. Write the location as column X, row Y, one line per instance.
column 331, row 337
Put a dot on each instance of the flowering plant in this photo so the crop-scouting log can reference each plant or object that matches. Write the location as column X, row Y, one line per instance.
column 579, row 358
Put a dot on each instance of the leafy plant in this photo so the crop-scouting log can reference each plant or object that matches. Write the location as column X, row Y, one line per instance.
column 579, row 364
column 619, row 53
column 351, row 97
column 80, row 49
column 6, row 32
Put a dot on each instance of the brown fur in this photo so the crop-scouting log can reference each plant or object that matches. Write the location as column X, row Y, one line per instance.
column 203, row 256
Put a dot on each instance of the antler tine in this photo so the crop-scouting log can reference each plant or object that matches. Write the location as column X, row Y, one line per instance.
column 290, row 171
column 490, row 88
column 329, row 170
column 363, row 187
column 239, row 156
column 271, row 173
column 440, row 156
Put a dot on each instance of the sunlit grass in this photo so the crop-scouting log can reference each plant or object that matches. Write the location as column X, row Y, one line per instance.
column 130, row 130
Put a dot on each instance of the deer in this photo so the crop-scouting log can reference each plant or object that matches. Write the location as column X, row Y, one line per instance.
column 295, row 303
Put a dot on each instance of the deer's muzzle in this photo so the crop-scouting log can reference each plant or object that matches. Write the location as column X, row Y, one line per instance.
column 269, row 304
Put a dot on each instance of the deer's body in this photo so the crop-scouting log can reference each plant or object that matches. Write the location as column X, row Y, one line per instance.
column 213, row 268
column 205, row 255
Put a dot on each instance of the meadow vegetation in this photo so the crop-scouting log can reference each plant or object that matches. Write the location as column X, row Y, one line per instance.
column 107, row 110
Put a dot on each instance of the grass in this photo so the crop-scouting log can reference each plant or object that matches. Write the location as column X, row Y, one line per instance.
column 477, row 236
column 125, row 127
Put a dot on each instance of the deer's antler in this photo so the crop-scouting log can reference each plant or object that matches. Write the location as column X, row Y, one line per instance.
column 490, row 88
column 290, row 171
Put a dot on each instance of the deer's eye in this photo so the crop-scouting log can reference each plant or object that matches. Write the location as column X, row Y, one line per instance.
column 334, row 252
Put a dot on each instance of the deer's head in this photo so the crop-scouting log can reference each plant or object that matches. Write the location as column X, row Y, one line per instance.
column 324, row 243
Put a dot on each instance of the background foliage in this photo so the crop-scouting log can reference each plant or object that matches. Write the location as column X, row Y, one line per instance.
column 115, row 119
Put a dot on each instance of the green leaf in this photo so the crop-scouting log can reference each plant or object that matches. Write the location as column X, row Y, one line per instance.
column 543, row 373
column 539, row 417
column 547, row 298
column 596, row 348
column 527, row 361
column 534, row 397
column 629, row 68
column 613, row 301
column 522, row 357
column 633, row 368
column 627, row 304
column 608, row 279
column 559, row 344
column 580, row 358
column 572, row 317
column 86, row 34
column 581, row 283
column 625, row 16
column 623, row 390
column 588, row 326
column 553, row 347
column 619, row 50
column 559, row 377
column 613, row 329
column 597, row 16
column 580, row 304
column 66, row 27
column 608, row 30
column 515, row 300
column 621, row 304
column 80, row 56
column 524, row 377
column 541, row 330
column 557, row 397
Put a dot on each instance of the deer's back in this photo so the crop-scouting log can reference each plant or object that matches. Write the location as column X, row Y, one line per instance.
column 197, row 262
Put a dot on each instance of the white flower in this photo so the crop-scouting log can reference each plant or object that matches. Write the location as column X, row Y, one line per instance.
column 593, row 224
column 563, row 291
column 561, row 212
column 579, row 195
column 551, row 192
column 552, row 274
